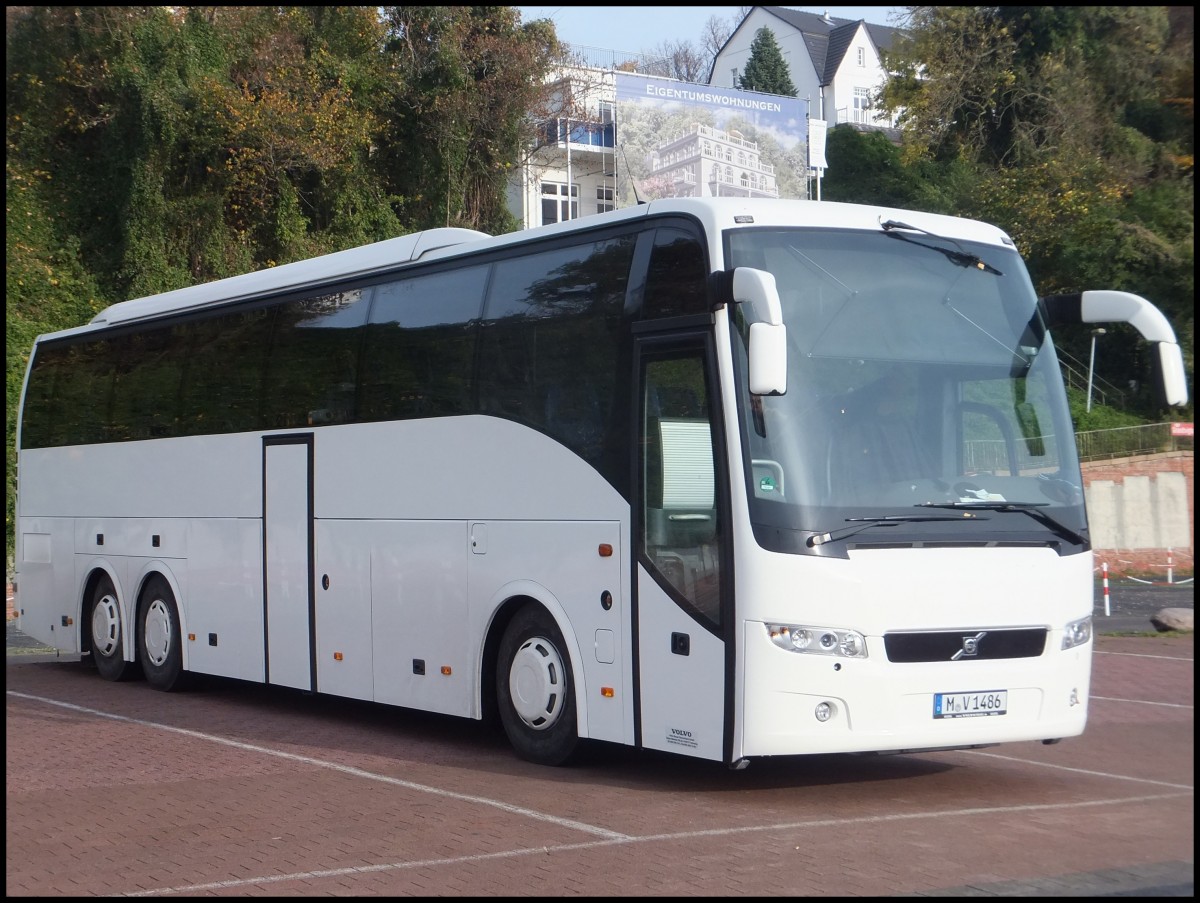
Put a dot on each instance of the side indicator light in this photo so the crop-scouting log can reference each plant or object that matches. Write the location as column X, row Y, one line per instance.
column 191, row 637
column 337, row 656
column 446, row 670
column 605, row 550
column 607, row 692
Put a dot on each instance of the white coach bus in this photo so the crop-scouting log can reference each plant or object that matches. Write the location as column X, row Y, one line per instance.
column 720, row 477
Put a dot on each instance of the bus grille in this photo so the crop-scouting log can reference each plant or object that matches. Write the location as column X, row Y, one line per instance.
column 965, row 645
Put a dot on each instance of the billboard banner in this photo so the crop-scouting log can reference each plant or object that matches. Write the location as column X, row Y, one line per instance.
column 677, row 139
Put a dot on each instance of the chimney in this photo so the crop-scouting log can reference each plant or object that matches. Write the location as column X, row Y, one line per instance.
column 825, row 18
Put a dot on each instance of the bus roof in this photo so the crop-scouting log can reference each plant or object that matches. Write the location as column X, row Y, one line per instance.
column 716, row 214
column 361, row 261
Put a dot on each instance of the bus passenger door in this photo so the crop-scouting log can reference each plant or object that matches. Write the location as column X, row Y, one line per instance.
column 287, row 560
column 683, row 577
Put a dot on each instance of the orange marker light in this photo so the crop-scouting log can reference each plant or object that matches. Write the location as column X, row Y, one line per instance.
column 605, row 550
column 337, row 656
column 192, row 637
column 607, row 692
column 446, row 670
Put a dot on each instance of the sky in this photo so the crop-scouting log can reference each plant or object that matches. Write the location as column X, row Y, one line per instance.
column 637, row 29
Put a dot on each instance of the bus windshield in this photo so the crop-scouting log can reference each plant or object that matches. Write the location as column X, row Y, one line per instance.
column 923, row 396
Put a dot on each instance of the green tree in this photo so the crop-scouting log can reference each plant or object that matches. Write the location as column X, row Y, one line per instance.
column 869, row 168
column 457, row 112
column 766, row 71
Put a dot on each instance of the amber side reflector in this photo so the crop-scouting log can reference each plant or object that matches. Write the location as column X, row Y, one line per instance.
column 337, row 656
column 607, row 692
column 192, row 637
column 605, row 550
column 446, row 670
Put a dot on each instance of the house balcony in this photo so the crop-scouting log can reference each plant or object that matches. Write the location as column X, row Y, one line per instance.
column 580, row 134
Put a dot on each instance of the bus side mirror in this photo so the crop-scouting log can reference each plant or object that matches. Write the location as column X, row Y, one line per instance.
column 768, row 335
column 1174, row 377
column 1125, row 307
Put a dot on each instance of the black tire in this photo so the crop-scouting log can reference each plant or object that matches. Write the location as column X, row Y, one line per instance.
column 535, row 689
column 107, row 633
column 159, row 648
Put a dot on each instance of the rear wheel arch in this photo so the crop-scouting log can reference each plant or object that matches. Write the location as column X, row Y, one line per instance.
column 106, row 624
column 87, row 591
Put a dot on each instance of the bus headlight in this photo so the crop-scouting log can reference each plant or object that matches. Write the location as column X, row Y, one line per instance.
column 1077, row 633
column 818, row 640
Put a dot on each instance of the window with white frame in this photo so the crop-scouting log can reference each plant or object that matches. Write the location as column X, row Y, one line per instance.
column 862, row 104
column 604, row 199
column 555, row 199
column 862, row 57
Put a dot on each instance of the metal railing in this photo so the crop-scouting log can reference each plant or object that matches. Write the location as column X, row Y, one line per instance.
column 601, row 58
column 992, row 455
column 1124, row 441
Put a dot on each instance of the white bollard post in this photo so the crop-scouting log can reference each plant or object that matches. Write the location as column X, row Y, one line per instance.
column 1104, row 571
column 1170, row 566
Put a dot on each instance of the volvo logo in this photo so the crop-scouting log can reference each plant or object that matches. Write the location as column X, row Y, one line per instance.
column 970, row 646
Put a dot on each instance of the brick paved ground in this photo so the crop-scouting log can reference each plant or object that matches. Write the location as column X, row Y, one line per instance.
column 235, row 789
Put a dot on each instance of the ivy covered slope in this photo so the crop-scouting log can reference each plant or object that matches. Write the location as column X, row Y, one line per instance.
column 150, row 148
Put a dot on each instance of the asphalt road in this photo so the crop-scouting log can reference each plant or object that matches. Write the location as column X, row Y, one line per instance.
column 1131, row 604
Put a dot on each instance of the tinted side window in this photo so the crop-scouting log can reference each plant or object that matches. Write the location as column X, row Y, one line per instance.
column 41, row 413
column 552, row 353
column 83, row 392
column 420, row 346
column 148, row 367
column 42, row 416
column 221, row 390
column 676, row 282
column 312, row 366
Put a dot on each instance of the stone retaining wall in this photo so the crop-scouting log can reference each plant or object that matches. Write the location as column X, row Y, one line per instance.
column 1142, row 510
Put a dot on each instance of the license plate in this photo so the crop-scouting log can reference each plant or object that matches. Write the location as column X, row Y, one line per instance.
column 983, row 704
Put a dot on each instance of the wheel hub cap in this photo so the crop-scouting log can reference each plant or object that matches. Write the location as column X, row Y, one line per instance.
column 157, row 630
column 535, row 683
column 106, row 626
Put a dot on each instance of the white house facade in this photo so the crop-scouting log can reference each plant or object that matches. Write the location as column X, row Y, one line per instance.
column 834, row 63
column 572, row 172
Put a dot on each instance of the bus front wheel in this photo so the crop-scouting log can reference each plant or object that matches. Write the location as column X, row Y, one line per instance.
column 107, row 637
column 535, row 689
column 158, row 636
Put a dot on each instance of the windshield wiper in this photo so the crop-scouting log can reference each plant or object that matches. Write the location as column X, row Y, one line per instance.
column 819, row 539
column 960, row 257
column 1033, row 509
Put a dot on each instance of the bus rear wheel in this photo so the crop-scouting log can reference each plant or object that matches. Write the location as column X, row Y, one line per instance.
column 107, row 633
column 535, row 689
column 159, row 646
